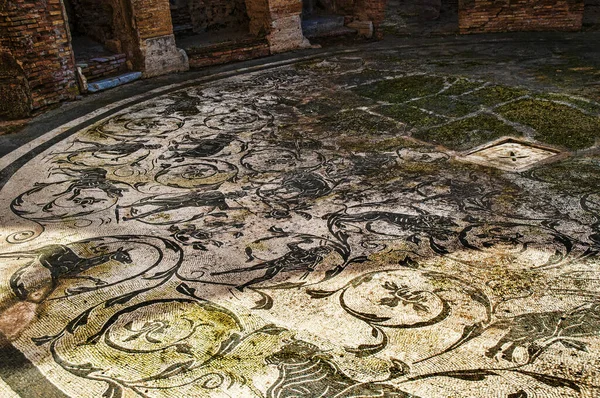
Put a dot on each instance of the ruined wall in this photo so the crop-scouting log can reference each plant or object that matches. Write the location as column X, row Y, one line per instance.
column 38, row 40
column 478, row 16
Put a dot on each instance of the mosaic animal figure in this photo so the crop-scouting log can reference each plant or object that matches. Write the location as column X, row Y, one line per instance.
column 200, row 148
column 38, row 279
column 298, row 186
column 431, row 225
column 90, row 178
column 296, row 259
column 538, row 331
column 162, row 204
column 117, row 150
column 408, row 222
column 304, row 372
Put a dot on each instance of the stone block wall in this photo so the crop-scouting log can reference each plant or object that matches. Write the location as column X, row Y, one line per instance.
column 37, row 37
column 480, row 16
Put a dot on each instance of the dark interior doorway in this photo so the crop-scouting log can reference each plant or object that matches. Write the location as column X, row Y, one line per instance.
column 421, row 17
column 96, row 46
column 322, row 18
column 591, row 15
column 201, row 23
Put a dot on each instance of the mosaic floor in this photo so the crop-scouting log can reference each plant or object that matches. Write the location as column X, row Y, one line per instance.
column 341, row 227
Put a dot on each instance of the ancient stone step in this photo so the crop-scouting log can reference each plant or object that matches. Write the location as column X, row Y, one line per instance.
column 111, row 82
column 322, row 26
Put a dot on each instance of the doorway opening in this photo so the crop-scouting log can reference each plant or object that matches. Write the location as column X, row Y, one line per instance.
column 421, row 17
column 324, row 18
column 591, row 15
column 96, row 44
column 203, row 23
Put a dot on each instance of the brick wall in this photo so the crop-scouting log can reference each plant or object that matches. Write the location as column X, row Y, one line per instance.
column 371, row 10
column 159, row 54
column 97, row 68
column 153, row 18
column 222, row 54
column 260, row 16
column 478, row 16
column 361, row 10
column 36, row 35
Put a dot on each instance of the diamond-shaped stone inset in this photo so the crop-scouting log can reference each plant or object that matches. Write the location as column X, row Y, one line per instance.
column 510, row 155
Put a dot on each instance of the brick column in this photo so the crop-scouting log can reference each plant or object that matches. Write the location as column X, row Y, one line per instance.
column 157, row 42
column 279, row 21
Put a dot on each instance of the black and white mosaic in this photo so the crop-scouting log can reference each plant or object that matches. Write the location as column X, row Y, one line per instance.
column 289, row 233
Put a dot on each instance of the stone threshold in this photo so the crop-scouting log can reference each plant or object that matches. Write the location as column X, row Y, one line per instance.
column 112, row 82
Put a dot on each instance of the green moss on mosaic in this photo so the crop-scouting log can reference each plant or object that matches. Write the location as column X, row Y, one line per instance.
column 402, row 89
column 588, row 106
column 370, row 145
column 358, row 122
column 332, row 104
column 319, row 107
column 410, row 115
column 356, row 78
column 467, row 133
column 461, row 86
column 447, row 106
column 494, row 95
column 574, row 176
column 555, row 124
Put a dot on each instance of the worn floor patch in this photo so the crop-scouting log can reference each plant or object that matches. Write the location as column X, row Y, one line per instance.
column 283, row 233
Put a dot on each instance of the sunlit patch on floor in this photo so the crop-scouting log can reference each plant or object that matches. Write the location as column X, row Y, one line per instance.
column 510, row 154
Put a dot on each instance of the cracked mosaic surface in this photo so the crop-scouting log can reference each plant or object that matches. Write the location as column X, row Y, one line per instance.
column 292, row 233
